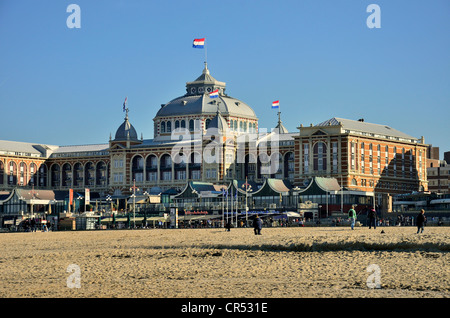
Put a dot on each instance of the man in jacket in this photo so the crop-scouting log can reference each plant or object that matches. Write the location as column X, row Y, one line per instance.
column 420, row 221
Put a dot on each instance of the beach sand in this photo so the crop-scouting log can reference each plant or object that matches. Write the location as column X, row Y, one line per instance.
column 318, row 262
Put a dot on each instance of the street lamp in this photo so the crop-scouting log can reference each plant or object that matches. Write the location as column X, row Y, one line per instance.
column 80, row 197
column 33, row 197
column 248, row 188
column 109, row 199
column 134, row 188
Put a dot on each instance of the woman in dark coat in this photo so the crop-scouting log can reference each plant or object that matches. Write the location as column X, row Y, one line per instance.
column 420, row 221
column 372, row 218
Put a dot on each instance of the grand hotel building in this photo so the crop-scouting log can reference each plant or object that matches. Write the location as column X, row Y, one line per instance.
column 360, row 156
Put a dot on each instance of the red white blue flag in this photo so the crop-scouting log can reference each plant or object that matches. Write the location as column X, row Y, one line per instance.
column 276, row 104
column 125, row 103
column 199, row 43
column 214, row 94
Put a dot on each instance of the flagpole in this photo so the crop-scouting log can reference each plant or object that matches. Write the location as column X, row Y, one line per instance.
column 206, row 54
column 227, row 205
column 232, row 210
column 237, row 201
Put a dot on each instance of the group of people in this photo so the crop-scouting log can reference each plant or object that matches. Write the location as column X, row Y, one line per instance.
column 32, row 225
column 372, row 218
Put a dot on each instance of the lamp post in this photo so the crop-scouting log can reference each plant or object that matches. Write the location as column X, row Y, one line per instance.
column 134, row 188
column 248, row 188
column 109, row 199
column 80, row 197
column 33, row 197
column 147, row 201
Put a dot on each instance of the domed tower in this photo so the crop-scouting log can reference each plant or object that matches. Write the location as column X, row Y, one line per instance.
column 196, row 109
column 126, row 135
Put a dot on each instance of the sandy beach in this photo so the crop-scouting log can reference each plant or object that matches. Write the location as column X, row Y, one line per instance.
column 319, row 262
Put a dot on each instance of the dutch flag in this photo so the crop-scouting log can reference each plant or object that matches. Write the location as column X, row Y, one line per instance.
column 199, row 43
column 125, row 103
column 276, row 104
column 214, row 94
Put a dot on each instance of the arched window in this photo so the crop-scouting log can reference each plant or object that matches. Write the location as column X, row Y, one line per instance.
column 177, row 124
column 183, row 123
column 137, row 168
column 101, row 171
column 163, row 127
column 169, row 127
column 12, row 178
column 42, row 176
column 78, row 174
column 191, row 125
column 55, row 178
column 1, row 172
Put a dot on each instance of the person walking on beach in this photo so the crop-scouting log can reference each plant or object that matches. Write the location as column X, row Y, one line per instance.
column 372, row 218
column 228, row 226
column 257, row 225
column 420, row 221
column 33, row 225
column 352, row 217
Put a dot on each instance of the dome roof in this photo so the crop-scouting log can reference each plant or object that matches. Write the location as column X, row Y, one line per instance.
column 218, row 122
column 203, row 104
column 197, row 101
column 280, row 129
column 126, row 131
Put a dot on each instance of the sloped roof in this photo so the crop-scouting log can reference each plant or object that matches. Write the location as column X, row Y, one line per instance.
column 362, row 126
column 24, row 147
column 198, row 187
column 206, row 78
column 82, row 148
column 320, row 186
column 273, row 187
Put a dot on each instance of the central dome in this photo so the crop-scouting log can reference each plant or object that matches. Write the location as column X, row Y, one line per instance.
column 197, row 104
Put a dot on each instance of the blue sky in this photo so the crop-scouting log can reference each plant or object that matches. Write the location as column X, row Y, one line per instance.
column 66, row 86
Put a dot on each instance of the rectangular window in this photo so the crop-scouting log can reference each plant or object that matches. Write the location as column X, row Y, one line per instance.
column 152, row 176
column 196, row 175
column 118, row 177
column 306, row 158
column 335, row 157
column 181, row 175
column 362, row 158
column 139, row 177
column 353, row 156
column 167, row 175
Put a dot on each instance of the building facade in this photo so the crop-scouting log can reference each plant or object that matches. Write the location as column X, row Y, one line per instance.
column 202, row 138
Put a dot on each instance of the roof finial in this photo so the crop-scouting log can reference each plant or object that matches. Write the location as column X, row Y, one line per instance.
column 126, row 115
column 205, row 70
